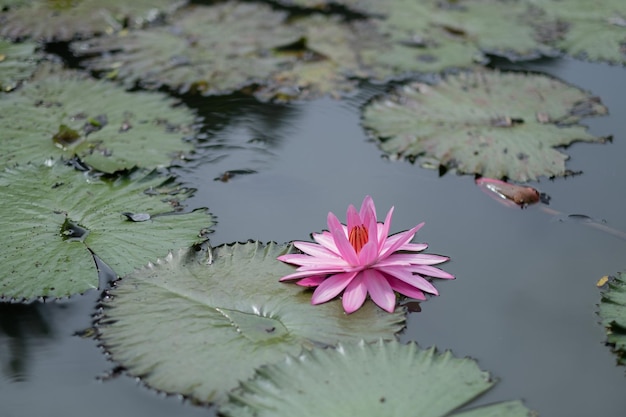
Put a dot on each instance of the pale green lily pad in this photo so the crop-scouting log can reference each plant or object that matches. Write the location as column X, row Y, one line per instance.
column 67, row 114
column 433, row 35
column 17, row 63
column 212, row 50
column 406, row 37
column 64, row 20
column 53, row 218
column 487, row 123
column 597, row 32
column 329, row 59
column 613, row 315
column 368, row 380
column 334, row 54
column 197, row 325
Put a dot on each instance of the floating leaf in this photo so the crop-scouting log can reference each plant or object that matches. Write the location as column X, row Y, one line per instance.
column 213, row 50
column 107, row 127
column 197, row 328
column 488, row 123
column 597, row 33
column 64, row 20
column 432, row 35
column 53, row 218
column 411, row 37
column 613, row 315
column 17, row 63
column 383, row 379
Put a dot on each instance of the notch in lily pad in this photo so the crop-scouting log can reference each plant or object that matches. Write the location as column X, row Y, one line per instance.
column 53, row 218
column 197, row 322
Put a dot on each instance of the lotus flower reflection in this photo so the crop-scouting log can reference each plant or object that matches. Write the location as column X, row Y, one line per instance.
column 361, row 259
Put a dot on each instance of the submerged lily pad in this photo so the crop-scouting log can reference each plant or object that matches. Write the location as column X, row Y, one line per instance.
column 212, row 50
column 53, row 218
column 488, row 123
column 596, row 33
column 368, row 380
column 107, row 127
column 17, row 63
column 197, row 326
column 613, row 315
column 64, row 20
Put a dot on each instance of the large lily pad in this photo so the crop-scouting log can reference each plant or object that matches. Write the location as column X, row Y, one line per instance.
column 432, row 35
column 597, row 33
column 17, row 63
column 488, row 123
column 64, row 20
column 107, row 127
column 197, row 326
column 613, row 315
column 53, row 218
column 212, row 50
column 383, row 379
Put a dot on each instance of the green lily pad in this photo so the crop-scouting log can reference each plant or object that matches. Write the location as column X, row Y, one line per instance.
column 212, row 50
column 328, row 60
column 488, row 123
column 613, row 315
column 596, row 33
column 196, row 325
column 368, row 380
column 405, row 37
column 17, row 63
column 430, row 36
column 53, row 218
column 64, row 20
column 66, row 114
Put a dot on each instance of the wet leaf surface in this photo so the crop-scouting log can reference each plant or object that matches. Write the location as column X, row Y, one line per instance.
column 53, row 218
column 381, row 379
column 196, row 325
column 613, row 315
column 66, row 114
column 64, row 20
column 485, row 123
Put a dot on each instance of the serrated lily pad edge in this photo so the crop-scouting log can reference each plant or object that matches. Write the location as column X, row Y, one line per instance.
column 236, row 395
column 194, row 252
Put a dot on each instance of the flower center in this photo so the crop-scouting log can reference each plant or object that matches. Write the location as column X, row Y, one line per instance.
column 358, row 237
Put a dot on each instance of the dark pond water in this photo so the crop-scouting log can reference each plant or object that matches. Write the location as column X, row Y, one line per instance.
column 524, row 303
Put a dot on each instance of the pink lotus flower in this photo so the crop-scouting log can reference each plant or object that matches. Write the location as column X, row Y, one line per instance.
column 361, row 258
